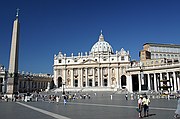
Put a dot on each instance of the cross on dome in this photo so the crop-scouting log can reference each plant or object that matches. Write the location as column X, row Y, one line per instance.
column 101, row 37
column 17, row 12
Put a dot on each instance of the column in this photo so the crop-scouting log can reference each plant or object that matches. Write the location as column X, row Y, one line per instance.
column 155, row 82
column 139, row 79
column 64, row 76
column 161, row 83
column 93, row 80
column 117, row 78
column 72, row 78
column 109, row 80
column 142, row 77
column 178, row 85
column 168, row 84
column 56, row 78
column 86, row 77
column 81, row 78
column 101, row 77
column 175, row 84
column 149, row 84
column 98, row 76
column 158, row 81
column 129, row 83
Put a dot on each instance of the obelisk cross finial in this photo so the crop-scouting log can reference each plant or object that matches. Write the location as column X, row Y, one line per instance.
column 17, row 12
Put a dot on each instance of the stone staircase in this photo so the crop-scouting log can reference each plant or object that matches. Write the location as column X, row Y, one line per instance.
column 84, row 89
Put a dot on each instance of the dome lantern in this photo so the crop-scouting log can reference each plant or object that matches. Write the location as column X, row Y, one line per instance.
column 101, row 47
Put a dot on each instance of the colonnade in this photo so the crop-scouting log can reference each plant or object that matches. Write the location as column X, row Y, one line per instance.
column 155, row 80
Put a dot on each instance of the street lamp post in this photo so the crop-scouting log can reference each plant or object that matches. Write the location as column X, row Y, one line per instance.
column 141, row 81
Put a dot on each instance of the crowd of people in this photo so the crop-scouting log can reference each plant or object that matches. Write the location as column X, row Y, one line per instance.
column 67, row 97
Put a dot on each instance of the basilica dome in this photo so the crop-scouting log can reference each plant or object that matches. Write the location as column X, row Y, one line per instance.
column 102, row 47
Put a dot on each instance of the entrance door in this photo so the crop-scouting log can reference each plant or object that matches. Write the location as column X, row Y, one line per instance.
column 123, row 81
column 59, row 82
column 84, row 84
column 96, row 83
column 135, row 83
column 105, row 82
column 76, row 83
column 90, row 82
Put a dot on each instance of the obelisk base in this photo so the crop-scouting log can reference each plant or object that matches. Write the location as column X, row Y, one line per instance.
column 11, row 87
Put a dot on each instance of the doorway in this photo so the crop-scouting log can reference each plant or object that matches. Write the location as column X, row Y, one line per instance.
column 59, row 82
column 135, row 83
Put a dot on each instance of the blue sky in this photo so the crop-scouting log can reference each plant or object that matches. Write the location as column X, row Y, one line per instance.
column 72, row 26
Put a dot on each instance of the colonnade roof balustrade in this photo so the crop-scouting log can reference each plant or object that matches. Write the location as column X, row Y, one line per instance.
column 154, row 67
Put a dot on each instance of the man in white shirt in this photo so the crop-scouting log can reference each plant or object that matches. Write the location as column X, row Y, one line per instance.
column 140, row 106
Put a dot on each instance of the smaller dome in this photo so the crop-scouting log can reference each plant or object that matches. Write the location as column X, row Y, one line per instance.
column 102, row 46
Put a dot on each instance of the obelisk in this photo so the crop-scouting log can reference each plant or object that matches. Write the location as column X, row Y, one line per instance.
column 12, row 82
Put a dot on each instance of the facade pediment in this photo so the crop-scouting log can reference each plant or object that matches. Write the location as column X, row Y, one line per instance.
column 89, row 61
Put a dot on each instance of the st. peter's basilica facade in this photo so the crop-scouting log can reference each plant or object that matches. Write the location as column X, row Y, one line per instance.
column 100, row 68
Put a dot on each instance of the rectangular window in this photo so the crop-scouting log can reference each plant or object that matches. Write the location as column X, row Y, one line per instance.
column 75, row 72
column 152, row 56
column 122, row 58
column 75, row 60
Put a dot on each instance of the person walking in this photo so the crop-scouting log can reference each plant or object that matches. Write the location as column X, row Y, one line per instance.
column 146, row 102
column 111, row 97
column 65, row 99
column 126, row 97
column 57, row 100
column 140, row 106
column 177, row 112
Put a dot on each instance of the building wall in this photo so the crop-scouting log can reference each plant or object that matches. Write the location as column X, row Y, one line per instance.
column 91, row 70
column 158, row 51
